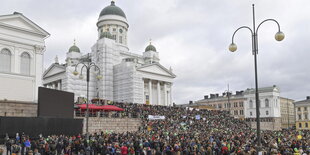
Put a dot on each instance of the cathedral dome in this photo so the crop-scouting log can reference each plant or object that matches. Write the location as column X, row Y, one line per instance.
column 150, row 48
column 106, row 34
column 112, row 10
column 74, row 48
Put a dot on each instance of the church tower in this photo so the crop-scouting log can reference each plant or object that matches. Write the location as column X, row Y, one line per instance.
column 112, row 29
column 73, row 55
column 150, row 54
column 112, row 19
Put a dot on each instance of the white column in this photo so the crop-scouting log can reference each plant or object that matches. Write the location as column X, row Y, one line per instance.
column 15, row 62
column 150, row 91
column 38, row 59
column 170, row 95
column 143, row 92
column 165, row 94
column 158, row 93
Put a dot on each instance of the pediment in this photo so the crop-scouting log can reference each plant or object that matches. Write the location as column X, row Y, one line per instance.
column 156, row 69
column 54, row 69
column 19, row 21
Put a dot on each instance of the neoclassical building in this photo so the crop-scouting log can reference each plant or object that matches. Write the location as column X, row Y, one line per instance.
column 22, row 47
column 127, row 77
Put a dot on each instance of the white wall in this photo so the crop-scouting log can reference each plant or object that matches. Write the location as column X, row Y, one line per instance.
column 273, row 109
column 17, row 88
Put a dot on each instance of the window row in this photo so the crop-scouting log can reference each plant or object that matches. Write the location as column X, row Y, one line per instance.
column 240, row 112
column 299, row 109
column 5, row 62
column 266, row 112
column 228, row 105
column 300, row 125
column 305, row 116
column 259, row 103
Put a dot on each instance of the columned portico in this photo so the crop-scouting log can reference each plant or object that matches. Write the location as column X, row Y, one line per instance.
column 156, row 92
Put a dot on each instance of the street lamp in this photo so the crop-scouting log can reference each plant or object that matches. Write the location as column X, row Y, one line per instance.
column 227, row 92
column 87, row 66
column 279, row 36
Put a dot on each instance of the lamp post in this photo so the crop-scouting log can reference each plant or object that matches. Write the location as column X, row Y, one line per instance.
column 279, row 36
column 87, row 66
column 228, row 98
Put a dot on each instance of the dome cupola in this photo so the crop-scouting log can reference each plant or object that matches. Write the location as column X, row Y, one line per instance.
column 74, row 48
column 112, row 10
column 150, row 48
column 112, row 24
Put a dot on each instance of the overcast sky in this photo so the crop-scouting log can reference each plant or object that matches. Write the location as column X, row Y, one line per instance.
column 191, row 36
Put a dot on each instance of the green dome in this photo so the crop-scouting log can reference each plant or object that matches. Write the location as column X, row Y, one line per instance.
column 112, row 10
column 106, row 35
column 74, row 49
column 150, row 48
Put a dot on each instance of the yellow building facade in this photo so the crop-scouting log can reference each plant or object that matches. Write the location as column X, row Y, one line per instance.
column 234, row 103
column 302, row 114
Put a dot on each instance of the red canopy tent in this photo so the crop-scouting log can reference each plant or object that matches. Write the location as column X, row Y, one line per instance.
column 95, row 107
column 111, row 108
column 90, row 107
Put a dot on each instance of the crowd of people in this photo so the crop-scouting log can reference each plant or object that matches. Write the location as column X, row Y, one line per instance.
column 177, row 131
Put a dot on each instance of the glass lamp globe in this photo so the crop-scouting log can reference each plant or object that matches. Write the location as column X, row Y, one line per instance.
column 279, row 36
column 99, row 77
column 75, row 73
column 232, row 47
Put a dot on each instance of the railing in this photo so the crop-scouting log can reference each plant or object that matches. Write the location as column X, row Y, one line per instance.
column 106, row 114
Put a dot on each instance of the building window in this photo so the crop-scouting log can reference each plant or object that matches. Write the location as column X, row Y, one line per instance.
column 236, row 112
column 25, row 64
column 240, row 104
column 306, row 116
column 298, row 109
column 220, row 106
column 251, row 113
column 120, row 39
column 305, row 108
column 266, row 102
column 300, row 125
column 114, row 29
column 267, row 112
column 114, row 37
column 251, row 104
column 241, row 112
column 306, row 125
column 5, row 60
column 299, row 117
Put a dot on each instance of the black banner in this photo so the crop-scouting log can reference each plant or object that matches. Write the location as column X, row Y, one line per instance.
column 33, row 126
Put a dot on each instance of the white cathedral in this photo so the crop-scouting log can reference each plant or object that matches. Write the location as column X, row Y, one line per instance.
column 126, row 77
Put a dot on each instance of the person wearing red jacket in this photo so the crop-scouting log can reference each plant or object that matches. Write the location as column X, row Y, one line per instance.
column 124, row 150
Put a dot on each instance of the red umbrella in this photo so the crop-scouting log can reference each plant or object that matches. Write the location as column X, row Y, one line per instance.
column 111, row 108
